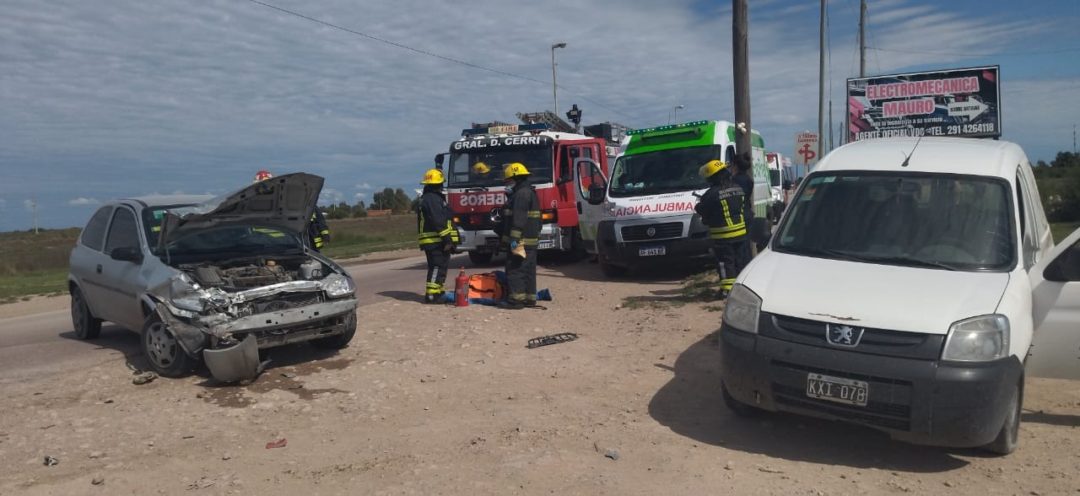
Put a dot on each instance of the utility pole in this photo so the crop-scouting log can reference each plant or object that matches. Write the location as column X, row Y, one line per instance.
column 33, row 208
column 821, row 80
column 740, row 65
column 862, row 38
column 1074, row 139
column 830, row 126
column 554, row 85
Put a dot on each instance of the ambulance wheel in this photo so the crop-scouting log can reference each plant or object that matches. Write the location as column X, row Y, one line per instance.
column 480, row 257
column 612, row 271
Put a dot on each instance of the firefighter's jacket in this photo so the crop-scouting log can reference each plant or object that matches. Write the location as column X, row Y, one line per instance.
column 318, row 230
column 722, row 210
column 521, row 215
column 434, row 222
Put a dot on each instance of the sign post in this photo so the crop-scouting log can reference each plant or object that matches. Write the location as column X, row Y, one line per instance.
column 806, row 151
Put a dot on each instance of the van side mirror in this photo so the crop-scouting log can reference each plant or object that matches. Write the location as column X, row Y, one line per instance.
column 127, row 254
column 596, row 194
column 760, row 231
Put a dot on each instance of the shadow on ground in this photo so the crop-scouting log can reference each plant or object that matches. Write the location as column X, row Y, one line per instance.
column 690, row 405
column 115, row 338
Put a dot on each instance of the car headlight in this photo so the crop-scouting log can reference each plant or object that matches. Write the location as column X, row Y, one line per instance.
column 742, row 309
column 184, row 293
column 337, row 286
column 977, row 339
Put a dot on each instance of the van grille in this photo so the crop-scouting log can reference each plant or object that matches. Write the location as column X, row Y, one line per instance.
column 666, row 230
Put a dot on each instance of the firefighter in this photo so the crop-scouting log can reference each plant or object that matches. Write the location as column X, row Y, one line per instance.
column 521, row 234
column 437, row 235
column 318, row 230
column 721, row 208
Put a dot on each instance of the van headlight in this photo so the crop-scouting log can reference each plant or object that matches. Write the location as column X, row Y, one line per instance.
column 978, row 339
column 337, row 286
column 742, row 309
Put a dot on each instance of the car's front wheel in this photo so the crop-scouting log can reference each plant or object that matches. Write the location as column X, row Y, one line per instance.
column 1009, row 435
column 85, row 324
column 163, row 351
column 341, row 340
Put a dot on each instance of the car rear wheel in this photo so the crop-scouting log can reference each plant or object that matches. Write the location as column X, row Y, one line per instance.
column 1009, row 435
column 163, row 351
column 85, row 324
column 341, row 340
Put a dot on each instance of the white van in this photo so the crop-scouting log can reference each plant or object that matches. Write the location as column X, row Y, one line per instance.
column 911, row 286
column 647, row 212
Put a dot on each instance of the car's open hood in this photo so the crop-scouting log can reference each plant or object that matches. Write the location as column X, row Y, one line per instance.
column 285, row 202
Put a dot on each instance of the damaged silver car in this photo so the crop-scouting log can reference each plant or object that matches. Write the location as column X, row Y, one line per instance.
column 212, row 279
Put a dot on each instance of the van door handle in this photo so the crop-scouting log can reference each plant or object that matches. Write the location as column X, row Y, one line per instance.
column 98, row 268
column 579, row 208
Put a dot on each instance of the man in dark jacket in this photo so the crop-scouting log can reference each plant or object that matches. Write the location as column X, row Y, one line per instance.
column 521, row 234
column 437, row 235
column 318, row 230
column 721, row 208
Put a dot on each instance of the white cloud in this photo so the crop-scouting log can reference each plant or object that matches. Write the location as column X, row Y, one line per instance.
column 82, row 200
column 360, row 196
column 330, row 196
column 196, row 96
column 29, row 205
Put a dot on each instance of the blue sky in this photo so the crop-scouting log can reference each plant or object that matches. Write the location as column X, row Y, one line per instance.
column 100, row 100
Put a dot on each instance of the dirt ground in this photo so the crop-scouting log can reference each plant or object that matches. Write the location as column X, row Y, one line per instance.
column 444, row 400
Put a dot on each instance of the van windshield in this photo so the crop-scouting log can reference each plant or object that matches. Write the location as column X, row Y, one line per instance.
column 663, row 171
column 939, row 221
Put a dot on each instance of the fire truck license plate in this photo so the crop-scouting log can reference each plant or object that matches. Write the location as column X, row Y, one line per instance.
column 545, row 244
column 838, row 389
column 652, row 251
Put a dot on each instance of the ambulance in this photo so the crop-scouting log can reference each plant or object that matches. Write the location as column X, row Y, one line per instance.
column 476, row 193
column 646, row 213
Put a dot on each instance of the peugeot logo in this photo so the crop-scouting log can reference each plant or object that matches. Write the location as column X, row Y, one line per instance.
column 843, row 335
column 651, row 231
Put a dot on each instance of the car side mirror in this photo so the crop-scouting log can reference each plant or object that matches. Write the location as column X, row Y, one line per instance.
column 760, row 232
column 596, row 195
column 127, row 254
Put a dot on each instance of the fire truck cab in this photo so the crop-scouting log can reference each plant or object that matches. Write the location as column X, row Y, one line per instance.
column 563, row 167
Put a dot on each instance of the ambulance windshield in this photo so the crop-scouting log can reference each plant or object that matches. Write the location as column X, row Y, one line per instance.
column 663, row 171
column 466, row 171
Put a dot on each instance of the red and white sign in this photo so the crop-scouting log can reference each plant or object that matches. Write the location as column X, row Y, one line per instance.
column 477, row 201
column 806, row 148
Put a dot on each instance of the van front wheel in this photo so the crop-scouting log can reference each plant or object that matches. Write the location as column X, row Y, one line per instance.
column 1007, row 438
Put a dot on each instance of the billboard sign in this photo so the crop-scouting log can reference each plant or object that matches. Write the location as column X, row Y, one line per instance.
column 953, row 102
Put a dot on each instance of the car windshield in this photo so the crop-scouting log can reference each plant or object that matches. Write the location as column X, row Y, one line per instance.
column 463, row 174
column 152, row 218
column 939, row 221
column 228, row 242
column 663, row 171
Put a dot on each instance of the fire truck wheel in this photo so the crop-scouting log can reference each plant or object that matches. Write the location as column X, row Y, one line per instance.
column 480, row 258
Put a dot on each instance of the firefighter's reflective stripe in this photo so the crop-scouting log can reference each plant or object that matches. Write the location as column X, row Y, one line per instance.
column 515, row 234
column 530, row 241
column 727, row 284
column 450, row 231
column 534, row 214
column 732, row 229
column 433, row 288
column 273, row 233
column 427, row 237
column 517, row 297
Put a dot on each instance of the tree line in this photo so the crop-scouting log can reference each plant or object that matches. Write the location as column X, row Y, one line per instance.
column 397, row 201
column 1059, row 187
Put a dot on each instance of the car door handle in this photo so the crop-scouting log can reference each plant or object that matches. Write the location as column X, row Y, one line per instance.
column 98, row 268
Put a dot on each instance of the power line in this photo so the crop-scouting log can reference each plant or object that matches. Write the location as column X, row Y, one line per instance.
column 426, row 52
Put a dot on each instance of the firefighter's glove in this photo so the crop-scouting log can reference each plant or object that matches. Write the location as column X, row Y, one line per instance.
column 517, row 249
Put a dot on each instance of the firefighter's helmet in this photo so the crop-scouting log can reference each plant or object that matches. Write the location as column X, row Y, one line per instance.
column 481, row 169
column 711, row 168
column 515, row 169
column 432, row 176
column 262, row 175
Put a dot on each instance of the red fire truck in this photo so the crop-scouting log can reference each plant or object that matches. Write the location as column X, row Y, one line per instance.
column 563, row 166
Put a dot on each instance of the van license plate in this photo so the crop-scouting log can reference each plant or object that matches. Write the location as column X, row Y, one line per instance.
column 652, row 251
column 838, row 389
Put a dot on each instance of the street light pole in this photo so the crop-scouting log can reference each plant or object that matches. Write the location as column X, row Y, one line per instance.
column 554, row 85
column 676, row 112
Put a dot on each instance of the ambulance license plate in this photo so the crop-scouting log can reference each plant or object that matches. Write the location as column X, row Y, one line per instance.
column 838, row 389
column 652, row 251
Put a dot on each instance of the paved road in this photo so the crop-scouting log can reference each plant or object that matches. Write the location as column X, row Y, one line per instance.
column 43, row 343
